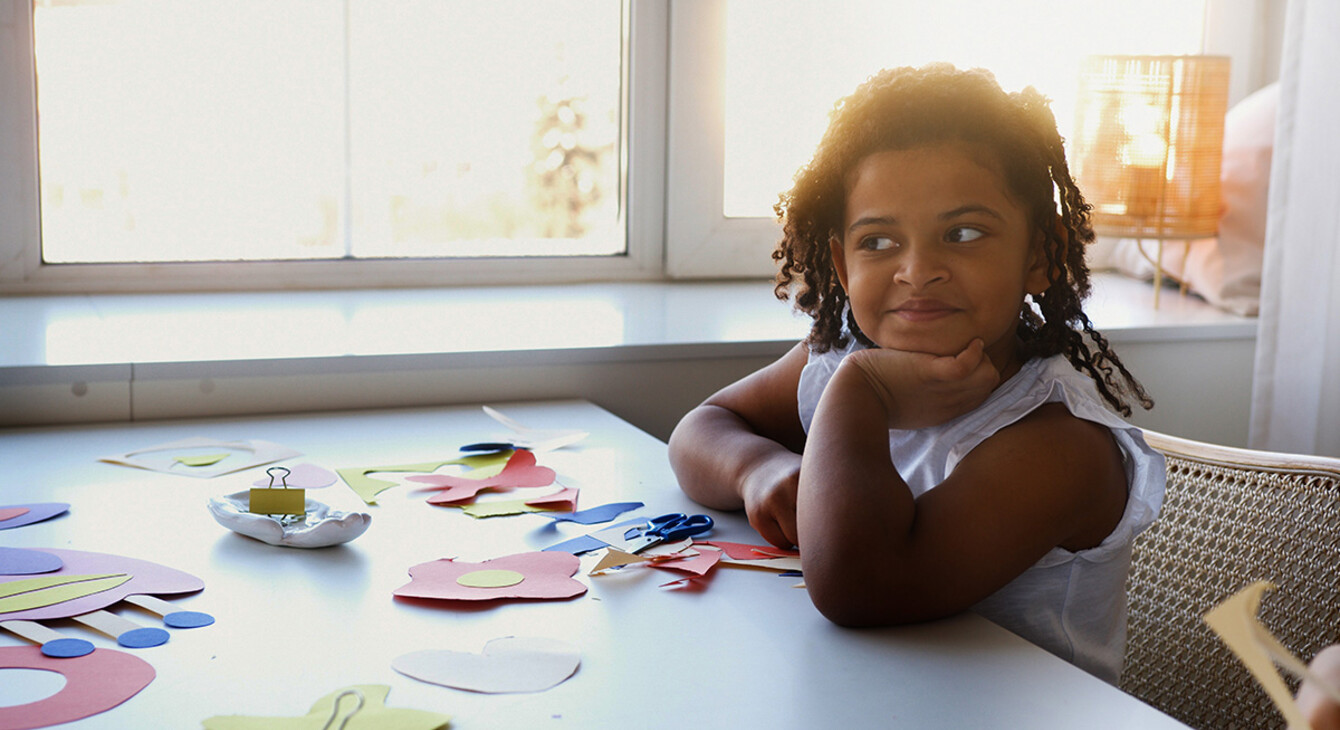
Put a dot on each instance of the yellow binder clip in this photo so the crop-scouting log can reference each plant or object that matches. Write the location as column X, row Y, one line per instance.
column 283, row 500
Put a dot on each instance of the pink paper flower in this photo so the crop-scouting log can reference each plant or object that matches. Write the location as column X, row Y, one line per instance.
column 540, row 575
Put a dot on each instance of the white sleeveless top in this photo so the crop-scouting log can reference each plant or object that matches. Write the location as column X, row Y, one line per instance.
column 1073, row 604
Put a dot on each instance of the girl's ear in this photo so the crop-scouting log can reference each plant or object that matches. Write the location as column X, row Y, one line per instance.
column 839, row 256
column 1036, row 280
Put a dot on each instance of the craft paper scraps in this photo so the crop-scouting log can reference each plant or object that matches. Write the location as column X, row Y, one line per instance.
column 594, row 515
column 563, row 499
column 359, row 707
column 538, row 439
column 544, row 575
column 520, row 471
column 18, row 561
column 577, row 545
column 301, row 476
column 760, row 557
column 1235, row 621
column 204, row 457
column 144, row 577
column 507, row 664
column 94, row 683
column 612, row 536
column 18, row 515
column 367, row 488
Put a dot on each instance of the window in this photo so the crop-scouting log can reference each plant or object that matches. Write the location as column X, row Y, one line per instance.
column 342, row 174
column 326, row 143
column 751, row 93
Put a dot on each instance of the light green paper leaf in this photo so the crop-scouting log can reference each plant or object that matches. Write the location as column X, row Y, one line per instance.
column 201, row 460
column 367, row 488
column 30, row 593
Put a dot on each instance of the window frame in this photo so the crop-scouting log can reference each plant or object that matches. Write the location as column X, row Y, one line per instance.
column 702, row 242
column 23, row 272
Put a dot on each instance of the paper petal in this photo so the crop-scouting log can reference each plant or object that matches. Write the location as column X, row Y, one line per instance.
column 507, row 664
column 26, row 514
column 548, row 575
column 18, row 561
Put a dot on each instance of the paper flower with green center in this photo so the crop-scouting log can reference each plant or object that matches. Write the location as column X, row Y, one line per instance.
column 537, row 575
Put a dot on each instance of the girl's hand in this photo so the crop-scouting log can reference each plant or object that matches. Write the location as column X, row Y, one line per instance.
column 919, row 390
column 769, row 493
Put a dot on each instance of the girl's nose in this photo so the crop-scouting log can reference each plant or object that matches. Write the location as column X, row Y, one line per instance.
column 921, row 265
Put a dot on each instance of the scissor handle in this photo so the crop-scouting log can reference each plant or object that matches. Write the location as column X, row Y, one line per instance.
column 686, row 527
column 658, row 525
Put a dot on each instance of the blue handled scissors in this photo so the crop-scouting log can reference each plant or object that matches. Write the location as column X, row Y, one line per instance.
column 667, row 528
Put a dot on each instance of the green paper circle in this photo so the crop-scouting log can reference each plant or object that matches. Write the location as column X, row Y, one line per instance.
column 490, row 578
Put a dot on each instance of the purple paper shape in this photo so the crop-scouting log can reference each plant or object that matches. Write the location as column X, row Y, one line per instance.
column 147, row 578
column 20, row 561
column 594, row 515
column 36, row 513
column 302, row 476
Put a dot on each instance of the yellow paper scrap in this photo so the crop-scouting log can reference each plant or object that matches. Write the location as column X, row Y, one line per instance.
column 359, row 707
column 201, row 460
column 1235, row 621
column 615, row 558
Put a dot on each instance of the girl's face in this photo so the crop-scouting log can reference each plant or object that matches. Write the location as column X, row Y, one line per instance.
column 936, row 252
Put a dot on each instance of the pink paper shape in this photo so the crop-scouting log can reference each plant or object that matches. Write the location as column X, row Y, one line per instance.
column 742, row 551
column 564, row 499
column 147, row 578
column 520, row 471
column 9, row 513
column 94, row 683
column 548, row 575
column 699, row 564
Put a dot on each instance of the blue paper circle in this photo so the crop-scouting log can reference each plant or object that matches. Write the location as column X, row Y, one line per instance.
column 142, row 638
column 67, row 648
column 187, row 619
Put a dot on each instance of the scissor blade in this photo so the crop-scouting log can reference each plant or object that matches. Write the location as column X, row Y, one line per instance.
column 638, row 544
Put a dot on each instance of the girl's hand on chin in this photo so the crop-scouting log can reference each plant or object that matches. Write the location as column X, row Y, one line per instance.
column 919, row 390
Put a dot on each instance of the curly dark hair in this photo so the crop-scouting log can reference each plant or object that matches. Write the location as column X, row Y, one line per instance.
column 903, row 108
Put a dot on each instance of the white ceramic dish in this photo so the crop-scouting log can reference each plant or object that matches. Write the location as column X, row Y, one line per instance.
column 321, row 526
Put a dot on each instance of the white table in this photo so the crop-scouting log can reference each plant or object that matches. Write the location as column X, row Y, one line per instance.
column 293, row 625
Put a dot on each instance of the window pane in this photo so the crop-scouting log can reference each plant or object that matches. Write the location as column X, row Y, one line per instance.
column 175, row 131
column 788, row 61
column 303, row 129
column 485, row 128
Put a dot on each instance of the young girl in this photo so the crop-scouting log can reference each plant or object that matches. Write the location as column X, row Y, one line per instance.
column 942, row 440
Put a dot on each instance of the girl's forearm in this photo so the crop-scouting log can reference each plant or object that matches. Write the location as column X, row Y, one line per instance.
column 854, row 510
column 714, row 453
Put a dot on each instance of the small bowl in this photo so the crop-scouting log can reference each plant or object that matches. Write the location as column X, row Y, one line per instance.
column 320, row 527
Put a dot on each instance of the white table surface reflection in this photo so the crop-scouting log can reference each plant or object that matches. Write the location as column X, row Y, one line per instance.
column 293, row 625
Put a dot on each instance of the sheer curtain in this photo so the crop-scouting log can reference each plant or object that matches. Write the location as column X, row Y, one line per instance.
column 1296, row 386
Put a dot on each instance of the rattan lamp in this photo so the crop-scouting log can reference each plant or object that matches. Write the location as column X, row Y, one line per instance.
column 1148, row 141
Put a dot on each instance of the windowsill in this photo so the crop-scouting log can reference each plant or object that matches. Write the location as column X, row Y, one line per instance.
column 694, row 318
column 56, row 341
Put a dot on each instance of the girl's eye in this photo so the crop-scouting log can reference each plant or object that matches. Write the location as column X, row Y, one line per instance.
column 877, row 243
column 962, row 234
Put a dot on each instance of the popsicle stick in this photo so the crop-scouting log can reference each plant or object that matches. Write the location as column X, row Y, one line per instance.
column 128, row 633
column 172, row 616
column 53, row 644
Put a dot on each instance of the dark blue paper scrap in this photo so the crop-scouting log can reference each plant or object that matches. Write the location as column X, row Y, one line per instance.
column 594, row 515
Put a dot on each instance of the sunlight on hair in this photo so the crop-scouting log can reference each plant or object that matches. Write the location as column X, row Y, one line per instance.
column 789, row 61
